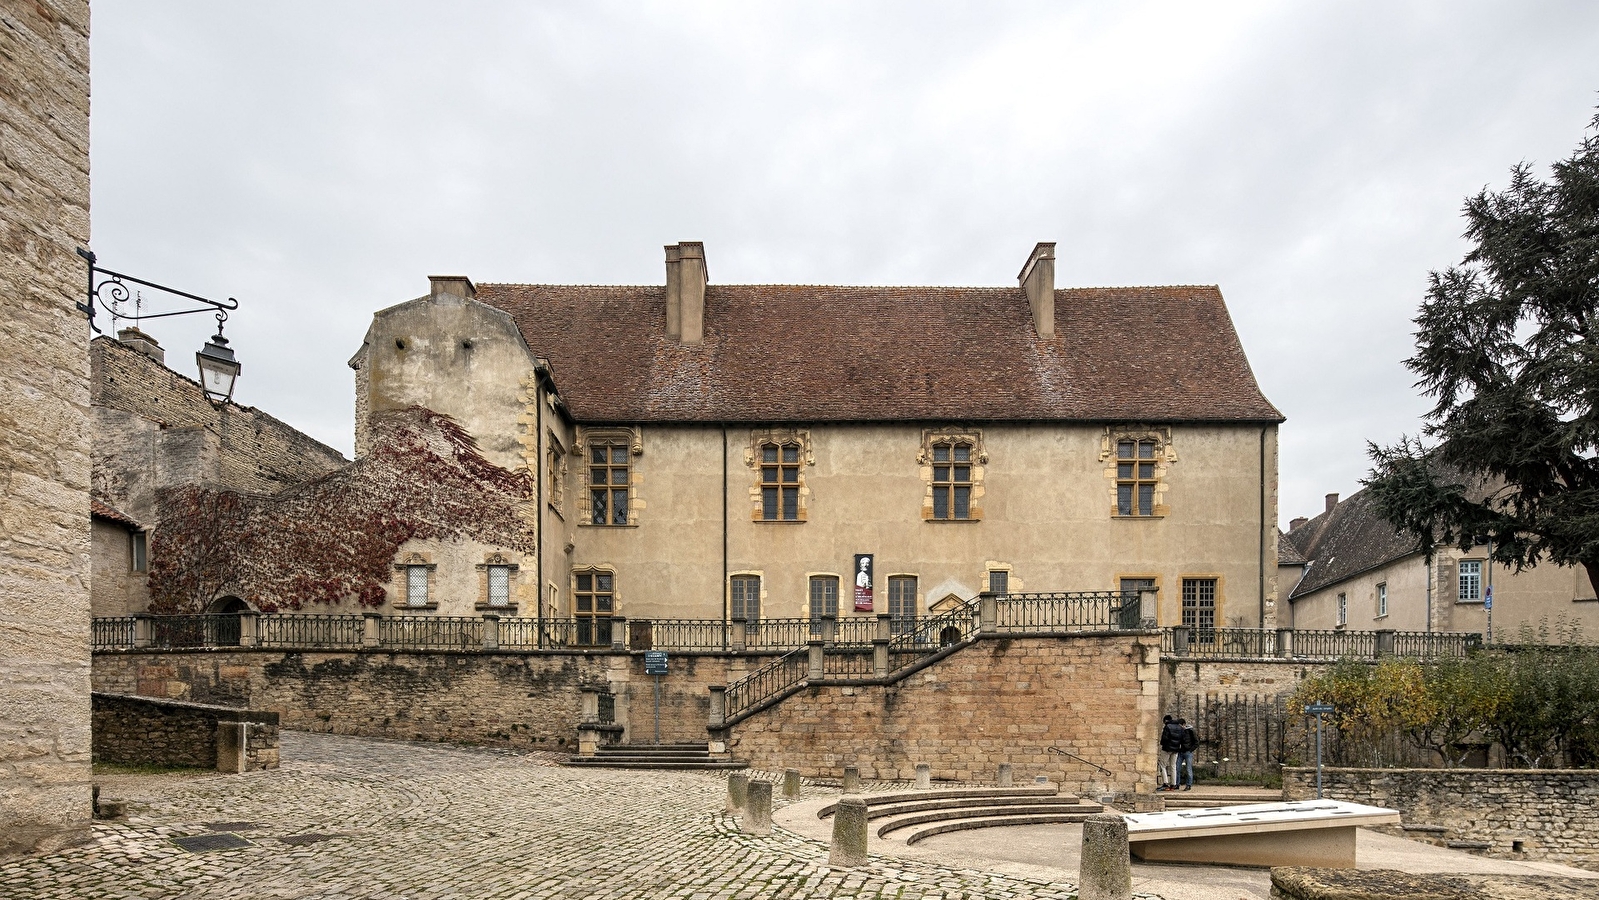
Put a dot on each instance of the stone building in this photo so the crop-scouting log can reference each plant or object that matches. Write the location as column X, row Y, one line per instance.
column 734, row 451
column 155, row 430
column 1349, row 568
column 44, row 427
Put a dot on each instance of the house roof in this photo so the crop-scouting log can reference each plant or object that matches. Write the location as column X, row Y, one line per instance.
column 1344, row 541
column 809, row 353
column 1287, row 553
column 102, row 510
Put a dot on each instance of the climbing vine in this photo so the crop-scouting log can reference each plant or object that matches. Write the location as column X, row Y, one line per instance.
column 336, row 537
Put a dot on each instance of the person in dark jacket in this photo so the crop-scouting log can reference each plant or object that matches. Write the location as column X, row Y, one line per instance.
column 1171, row 742
column 1185, row 755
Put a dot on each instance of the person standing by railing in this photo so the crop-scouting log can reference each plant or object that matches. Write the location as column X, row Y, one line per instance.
column 1171, row 741
column 1185, row 755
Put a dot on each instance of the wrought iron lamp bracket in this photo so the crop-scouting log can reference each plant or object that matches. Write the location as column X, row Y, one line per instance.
column 109, row 289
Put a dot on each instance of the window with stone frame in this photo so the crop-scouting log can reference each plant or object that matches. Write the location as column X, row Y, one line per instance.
column 1136, row 461
column 593, row 604
column 499, row 574
column 1470, row 581
column 416, row 589
column 139, row 551
column 556, row 475
column 824, row 600
column 1199, row 609
column 952, row 462
column 609, row 483
column 999, row 581
column 902, row 603
column 745, row 598
column 780, row 482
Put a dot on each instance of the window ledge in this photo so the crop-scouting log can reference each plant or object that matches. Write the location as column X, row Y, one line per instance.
column 605, row 525
column 1120, row 518
column 967, row 521
column 403, row 605
column 1468, row 602
column 778, row 521
column 490, row 607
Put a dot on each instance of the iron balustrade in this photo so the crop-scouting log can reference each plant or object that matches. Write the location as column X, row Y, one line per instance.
column 1222, row 643
column 112, row 633
column 1073, row 611
column 520, row 633
column 766, row 682
column 677, row 634
column 311, row 632
column 430, row 632
column 1435, row 644
column 776, row 634
column 607, row 708
column 184, row 632
column 1328, row 644
column 854, row 631
column 847, row 664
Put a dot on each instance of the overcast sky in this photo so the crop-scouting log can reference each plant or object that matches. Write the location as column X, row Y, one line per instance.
column 319, row 160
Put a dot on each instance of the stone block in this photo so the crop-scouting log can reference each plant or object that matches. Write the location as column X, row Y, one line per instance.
column 849, row 833
column 758, row 809
column 1105, row 869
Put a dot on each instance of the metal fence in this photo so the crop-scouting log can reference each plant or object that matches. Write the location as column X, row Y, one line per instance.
column 308, row 631
column 1435, row 644
column 847, row 664
column 179, row 632
column 112, row 633
column 423, row 633
column 1077, row 611
column 766, row 682
column 1222, row 643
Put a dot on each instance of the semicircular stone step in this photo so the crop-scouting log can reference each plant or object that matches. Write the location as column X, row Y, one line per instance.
column 996, row 803
column 1020, row 812
column 996, row 822
column 1048, row 790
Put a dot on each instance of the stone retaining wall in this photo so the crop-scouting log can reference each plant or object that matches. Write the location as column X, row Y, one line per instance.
column 1002, row 700
column 1185, row 680
column 146, row 731
column 1551, row 813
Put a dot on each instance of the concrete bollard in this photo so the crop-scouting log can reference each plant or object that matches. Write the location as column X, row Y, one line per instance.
column 738, row 791
column 791, row 784
column 849, row 833
column 1005, row 775
column 924, row 777
column 1106, row 873
column 757, row 809
column 852, row 780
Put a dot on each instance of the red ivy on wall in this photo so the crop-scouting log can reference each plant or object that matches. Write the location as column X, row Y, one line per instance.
column 336, row 537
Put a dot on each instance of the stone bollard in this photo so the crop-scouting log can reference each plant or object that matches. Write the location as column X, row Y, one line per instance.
column 924, row 777
column 233, row 741
column 791, row 784
column 757, row 809
column 1106, row 872
column 738, row 791
column 852, row 780
column 849, row 833
column 1005, row 775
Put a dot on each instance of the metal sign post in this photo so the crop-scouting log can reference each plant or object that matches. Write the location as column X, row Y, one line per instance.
column 1318, row 710
column 1488, row 607
column 655, row 664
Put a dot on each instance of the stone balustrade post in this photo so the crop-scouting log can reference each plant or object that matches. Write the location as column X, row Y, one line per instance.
column 737, row 641
column 369, row 629
column 233, row 740
column 791, row 784
column 249, row 628
column 987, row 613
column 618, row 634
column 829, row 630
column 1179, row 640
column 817, row 660
column 1148, row 609
column 589, row 704
column 1285, row 643
column 1005, row 776
column 738, row 791
column 491, row 632
column 885, row 628
column 924, row 777
column 757, row 809
column 718, row 705
column 1385, row 642
column 141, row 631
column 880, row 657
column 1105, row 871
column 852, row 780
column 849, row 833
column 588, row 738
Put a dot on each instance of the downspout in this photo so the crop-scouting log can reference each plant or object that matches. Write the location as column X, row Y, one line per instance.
column 726, row 600
column 1261, row 620
column 538, row 495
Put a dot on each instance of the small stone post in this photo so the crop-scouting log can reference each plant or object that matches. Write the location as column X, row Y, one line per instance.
column 1385, row 642
column 1105, row 871
column 791, row 784
column 987, row 613
column 589, row 708
column 849, row 833
column 738, row 791
column 618, row 634
column 141, row 631
column 739, row 635
column 1179, row 640
column 924, row 777
column 491, row 632
column 718, row 705
column 249, row 631
column 1005, row 775
column 852, row 780
column 757, row 809
column 232, row 742
column 1148, row 609
column 829, row 630
column 588, row 739
column 880, row 640
column 1285, row 643
column 369, row 629
column 885, row 627
column 816, row 662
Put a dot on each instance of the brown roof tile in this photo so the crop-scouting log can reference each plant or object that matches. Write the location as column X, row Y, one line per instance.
column 809, row 353
column 100, row 510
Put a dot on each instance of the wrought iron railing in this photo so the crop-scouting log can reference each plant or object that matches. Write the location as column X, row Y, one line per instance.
column 1319, row 644
column 180, row 632
column 1075, row 611
column 854, row 631
column 1435, row 644
column 112, row 633
column 607, row 708
column 535, row 634
column 1327, row 644
column 847, row 664
column 313, row 632
column 430, row 633
column 765, row 683
column 677, row 634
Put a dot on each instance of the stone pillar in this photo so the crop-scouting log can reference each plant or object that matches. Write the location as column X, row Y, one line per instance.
column 232, row 741
column 829, row 630
column 618, row 634
column 880, row 657
column 1179, row 640
column 849, row 833
column 757, row 809
column 491, row 632
column 987, row 613
column 588, row 739
column 852, row 780
column 141, row 631
column 885, row 628
column 1005, row 775
column 369, row 629
column 816, row 664
column 924, row 777
column 718, row 705
column 738, row 791
column 1148, row 609
column 791, row 784
column 1105, row 871
column 589, row 704
column 249, row 629
column 736, row 640
column 1285, row 643
column 1385, row 642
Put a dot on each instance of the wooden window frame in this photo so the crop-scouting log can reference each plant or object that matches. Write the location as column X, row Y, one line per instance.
column 589, row 438
column 1201, row 633
column 811, row 580
column 1134, row 479
column 1476, row 580
column 139, row 551
column 903, row 623
column 799, row 439
column 1382, row 599
column 594, row 594
column 733, row 598
column 940, row 486
column 1342, row 618
column 778, row 461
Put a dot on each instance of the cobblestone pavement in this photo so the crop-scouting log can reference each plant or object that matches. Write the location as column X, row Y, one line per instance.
column 358, row 818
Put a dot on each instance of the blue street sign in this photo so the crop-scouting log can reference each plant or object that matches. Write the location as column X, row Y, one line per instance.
column 1318, row 709
column 654, row 662
column 1488, row 598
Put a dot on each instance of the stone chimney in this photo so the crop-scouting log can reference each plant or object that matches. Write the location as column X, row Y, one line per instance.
column 1293, row 524
column 1332, row 501
column 686, row 275
column 454, row 285
column 1037, row 278
column 134, row 339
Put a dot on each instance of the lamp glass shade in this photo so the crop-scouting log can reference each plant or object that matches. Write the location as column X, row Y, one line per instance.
column 218, row 369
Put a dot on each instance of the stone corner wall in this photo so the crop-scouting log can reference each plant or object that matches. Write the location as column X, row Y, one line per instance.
column 44, row 438
column 150, row 731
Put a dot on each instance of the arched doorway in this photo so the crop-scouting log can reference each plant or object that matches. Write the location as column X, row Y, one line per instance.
column 222, row 623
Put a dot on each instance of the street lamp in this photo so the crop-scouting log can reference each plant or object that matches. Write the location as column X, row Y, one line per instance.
column 218, row 368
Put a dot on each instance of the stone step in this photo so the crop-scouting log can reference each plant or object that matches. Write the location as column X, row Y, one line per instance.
column 1046, row 790
column 1468, row 845
column 900, row 823
column 993, row 822
column 590, row 762
column 1425, row 829
column 997, row 804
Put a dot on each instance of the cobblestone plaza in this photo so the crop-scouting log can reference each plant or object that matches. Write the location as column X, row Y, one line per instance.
column 360, row 818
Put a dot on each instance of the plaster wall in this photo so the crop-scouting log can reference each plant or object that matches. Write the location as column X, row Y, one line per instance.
column 114, row 588
column 44, row 433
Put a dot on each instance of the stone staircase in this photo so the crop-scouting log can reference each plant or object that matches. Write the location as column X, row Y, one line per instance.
column 915, row 815
column 659, row 757
column 1206, row 796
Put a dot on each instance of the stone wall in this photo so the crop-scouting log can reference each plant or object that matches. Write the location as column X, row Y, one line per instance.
column 1185, row 681
column 44, row 438
column 145, row 731
column 1002, row 700
column 1549, row 813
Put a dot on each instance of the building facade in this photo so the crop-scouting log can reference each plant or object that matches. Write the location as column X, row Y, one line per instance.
column 705, row 451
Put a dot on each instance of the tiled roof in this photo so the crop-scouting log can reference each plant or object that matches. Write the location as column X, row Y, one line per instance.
column 1348, row 539
column 806, row 353
column 1287, row 553
column 100, row 510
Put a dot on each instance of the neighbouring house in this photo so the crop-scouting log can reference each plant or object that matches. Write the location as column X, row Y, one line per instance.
column 704, row 451
column 1349, row 568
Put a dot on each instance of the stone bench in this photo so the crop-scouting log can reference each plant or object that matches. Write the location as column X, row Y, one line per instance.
column 1304, row 833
